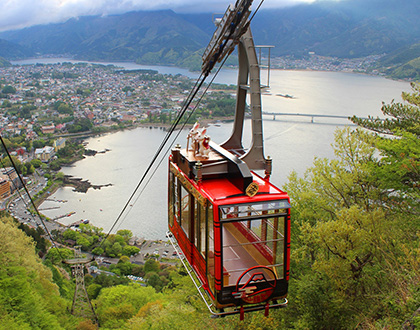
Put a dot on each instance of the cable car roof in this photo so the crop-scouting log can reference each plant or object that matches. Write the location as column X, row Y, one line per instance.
column 223, row 191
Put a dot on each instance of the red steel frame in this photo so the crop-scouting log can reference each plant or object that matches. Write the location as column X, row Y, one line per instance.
column 212, row 195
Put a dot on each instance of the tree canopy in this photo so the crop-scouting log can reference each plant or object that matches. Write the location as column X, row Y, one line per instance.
column 398, row 168
column 28, row 297
column 355, row 228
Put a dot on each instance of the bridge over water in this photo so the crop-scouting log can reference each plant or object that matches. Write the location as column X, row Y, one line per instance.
column 311, row 115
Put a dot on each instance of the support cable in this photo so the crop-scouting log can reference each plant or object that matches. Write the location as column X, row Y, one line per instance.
column 18, row 190
column 190, row 98
column 177, row 135
column 30, row 197
column 256, row 10
column 172, row 129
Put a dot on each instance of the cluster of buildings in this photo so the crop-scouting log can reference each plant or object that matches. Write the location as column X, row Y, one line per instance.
column 9, row 182
column 101, row 94
column 47, row 100
column 325, row 63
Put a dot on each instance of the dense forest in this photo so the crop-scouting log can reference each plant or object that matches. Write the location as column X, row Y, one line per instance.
column 355, row 250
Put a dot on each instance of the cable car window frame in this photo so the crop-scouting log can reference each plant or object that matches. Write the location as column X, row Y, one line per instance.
column 225, row 215
column 210, row 250
column 185, row 211
column 172, row 198
column 200, row 229
column 279, row 212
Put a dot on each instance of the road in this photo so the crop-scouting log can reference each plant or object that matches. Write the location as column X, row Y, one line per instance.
column 19, row 208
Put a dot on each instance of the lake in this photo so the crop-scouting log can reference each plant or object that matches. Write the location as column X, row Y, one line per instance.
column 292, row 143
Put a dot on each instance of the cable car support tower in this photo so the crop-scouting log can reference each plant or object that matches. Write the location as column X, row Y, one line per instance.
column 81, row 307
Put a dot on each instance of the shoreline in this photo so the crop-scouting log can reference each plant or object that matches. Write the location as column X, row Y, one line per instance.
column 61, row 59
column 77, row 182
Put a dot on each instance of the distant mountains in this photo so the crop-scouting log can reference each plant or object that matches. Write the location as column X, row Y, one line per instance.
column 403, row 63
column 13, row 50
column 4, row 63
column 346, row 29
column 148, row 37
column 343, row 29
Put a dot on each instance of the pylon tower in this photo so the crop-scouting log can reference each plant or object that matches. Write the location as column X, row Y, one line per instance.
column 81, row 307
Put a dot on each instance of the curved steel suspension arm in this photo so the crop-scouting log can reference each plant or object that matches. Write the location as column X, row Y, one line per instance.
column 248, row 81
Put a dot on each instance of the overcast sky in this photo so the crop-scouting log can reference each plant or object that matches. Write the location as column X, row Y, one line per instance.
column 17, row 14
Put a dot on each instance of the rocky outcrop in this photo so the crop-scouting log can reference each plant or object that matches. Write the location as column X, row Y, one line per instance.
column 81, row 185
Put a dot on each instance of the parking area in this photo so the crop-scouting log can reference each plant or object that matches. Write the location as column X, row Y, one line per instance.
column 163, row 250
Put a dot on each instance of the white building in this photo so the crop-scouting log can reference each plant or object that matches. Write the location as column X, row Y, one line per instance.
column 45, row 154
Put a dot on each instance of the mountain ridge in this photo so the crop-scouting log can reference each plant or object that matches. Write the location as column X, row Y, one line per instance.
column 345, row 29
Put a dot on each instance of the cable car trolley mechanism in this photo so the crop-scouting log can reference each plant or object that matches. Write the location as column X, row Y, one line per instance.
column 229, row 225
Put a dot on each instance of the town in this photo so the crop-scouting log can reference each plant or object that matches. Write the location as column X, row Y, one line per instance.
column 315, row 62
column 46, row 109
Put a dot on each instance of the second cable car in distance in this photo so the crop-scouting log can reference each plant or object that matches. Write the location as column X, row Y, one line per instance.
column 230, row 225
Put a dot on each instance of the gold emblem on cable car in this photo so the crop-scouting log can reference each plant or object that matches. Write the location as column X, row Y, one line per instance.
column 252, row 189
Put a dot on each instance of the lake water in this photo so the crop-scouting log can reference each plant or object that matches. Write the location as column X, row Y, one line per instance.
column 292, row 142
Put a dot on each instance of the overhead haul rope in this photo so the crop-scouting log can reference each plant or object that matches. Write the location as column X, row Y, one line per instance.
column 188, row 101
column 30, row 197
column 163, row 143
column 256, row 10
column 176, row 136
column 13, row 182
column 17, row 189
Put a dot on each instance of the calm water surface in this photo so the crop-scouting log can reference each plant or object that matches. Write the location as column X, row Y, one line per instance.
column 292, row 142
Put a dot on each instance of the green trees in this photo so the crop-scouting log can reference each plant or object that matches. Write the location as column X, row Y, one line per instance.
column 28, row 298
column 80, row 125
column 25, row 111
column 8, row 90
column 63, row 107
column 115, row 305
column 130, row 250
column 355, row 228
column 221, row 105
column 399, row 166
column 90, row 238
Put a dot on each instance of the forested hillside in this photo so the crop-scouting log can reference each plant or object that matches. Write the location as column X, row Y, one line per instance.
column 12, row 50
column 146, row 37
column 4, row 63
column 403, row 63
column 28, row 297
column 355, row 260
column 344, row 29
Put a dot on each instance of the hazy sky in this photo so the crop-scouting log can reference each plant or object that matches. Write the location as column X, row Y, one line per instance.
column 16, row 14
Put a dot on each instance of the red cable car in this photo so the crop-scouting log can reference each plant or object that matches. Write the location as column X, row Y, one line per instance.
column 230, row 225
column 235, row 237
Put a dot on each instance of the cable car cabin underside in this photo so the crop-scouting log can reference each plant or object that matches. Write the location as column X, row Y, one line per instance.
column 233, row 228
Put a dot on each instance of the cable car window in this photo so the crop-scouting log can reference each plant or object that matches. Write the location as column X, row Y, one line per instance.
column 185, row 210
column 253, row 242
column 196, row 220
column 177, row 199
column 200, row 228
column 210, row 249
column 172, row 198
column 249, row 210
